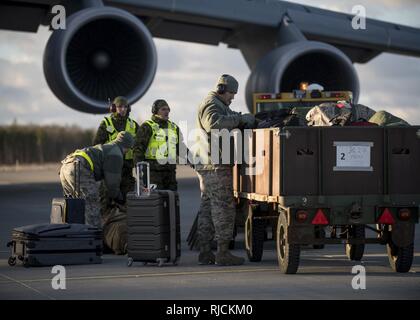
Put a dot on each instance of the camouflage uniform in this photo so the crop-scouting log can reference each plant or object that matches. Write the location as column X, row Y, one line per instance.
column 328, row 114
column 217, row 209
column 88, row 189
column 341, row 113
column 127, row 179
column 163, row 175
column 384, row 118
column 100, row 162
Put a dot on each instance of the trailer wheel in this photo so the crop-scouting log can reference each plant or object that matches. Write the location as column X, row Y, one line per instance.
column 254, row 237
column 288, row 254
column 400, row 258
column 355, row 251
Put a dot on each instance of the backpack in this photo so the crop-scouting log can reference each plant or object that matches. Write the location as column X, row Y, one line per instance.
column 278, row 118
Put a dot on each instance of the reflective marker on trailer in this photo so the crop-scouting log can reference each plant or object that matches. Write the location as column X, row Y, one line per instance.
column 386, row 217
column 320, row 218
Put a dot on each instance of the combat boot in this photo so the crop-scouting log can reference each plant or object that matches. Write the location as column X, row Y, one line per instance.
column 224, row 257
column 206, row 256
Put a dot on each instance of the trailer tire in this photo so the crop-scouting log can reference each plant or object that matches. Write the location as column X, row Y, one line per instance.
column 355, row 251
column 288, row 255
column 400, row 258
column 254, row 238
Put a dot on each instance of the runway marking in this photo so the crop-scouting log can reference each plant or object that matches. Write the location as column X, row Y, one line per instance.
column 122, row 276
column 26, row 286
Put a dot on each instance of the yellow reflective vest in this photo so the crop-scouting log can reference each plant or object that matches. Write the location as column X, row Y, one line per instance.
column 130, row 126
column 163, row 143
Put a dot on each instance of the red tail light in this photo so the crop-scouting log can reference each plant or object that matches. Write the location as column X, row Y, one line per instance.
column 320, row 218
column 301, row 216
column 386, row 217
column 404, row 214
column 266, row 96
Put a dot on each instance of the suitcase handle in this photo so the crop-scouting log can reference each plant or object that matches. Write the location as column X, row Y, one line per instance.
column 76, row 179
column 142, row 189
column 173, row 225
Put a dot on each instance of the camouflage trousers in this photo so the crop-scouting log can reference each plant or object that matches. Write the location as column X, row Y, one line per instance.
column 88, row 190
column 216, row 218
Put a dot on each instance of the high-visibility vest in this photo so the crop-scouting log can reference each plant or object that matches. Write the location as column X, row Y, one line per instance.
column 162, row 144
column 130, row 126
column 86, row 156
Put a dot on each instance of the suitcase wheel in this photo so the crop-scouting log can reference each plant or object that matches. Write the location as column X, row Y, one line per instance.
column 11, row 261
column 130, row 262
column 160, row 262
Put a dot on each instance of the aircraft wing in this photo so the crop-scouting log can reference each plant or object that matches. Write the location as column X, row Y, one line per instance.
column 283, row 43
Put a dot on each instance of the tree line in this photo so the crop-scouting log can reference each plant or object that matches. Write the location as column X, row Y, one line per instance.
column 40, row 144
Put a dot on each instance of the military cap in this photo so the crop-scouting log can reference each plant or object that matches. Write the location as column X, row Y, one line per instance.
column 159, row 103
column 229, row 83
column 120, row 101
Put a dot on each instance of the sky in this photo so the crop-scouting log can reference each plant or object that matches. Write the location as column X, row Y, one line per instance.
column 187, row 71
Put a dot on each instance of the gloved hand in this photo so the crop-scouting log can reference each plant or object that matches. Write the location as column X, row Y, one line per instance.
column 248, row 121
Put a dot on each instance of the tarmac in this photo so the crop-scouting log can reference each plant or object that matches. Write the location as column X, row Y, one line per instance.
column 25, row 198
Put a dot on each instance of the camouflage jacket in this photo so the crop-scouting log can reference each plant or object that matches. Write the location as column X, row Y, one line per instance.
column 107, row 162
column 213, row 113
column 142, row 141
column 119, row 122
column 328, row 114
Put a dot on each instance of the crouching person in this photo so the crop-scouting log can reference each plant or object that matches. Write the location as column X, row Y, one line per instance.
column 97, row 163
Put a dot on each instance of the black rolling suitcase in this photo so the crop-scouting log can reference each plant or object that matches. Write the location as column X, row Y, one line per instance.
column 71, row 208
column 153, row 222
column 56, row 244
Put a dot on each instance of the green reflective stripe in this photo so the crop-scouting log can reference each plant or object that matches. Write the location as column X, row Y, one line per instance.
column 163, row 141
column 84, row 155
column 111, row 134
column 130, row 127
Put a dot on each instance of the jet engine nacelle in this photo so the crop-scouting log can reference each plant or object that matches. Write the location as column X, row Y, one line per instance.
column 284, row 68
column 103, row 53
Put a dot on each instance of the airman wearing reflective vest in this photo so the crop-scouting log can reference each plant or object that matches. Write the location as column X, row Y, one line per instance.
column 157, row 142
column 118, row 121
column 97, row 163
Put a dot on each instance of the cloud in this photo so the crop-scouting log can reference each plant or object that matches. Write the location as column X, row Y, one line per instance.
column 405, row 12
column 187, row 71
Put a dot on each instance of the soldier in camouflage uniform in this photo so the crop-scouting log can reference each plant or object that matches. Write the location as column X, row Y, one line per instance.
column 217, row 210
column 107, row 132
column 97, row 163
column 157, row 142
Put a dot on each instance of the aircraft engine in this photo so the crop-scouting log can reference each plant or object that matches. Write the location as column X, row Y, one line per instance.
column 284, row 68
column 103, row 53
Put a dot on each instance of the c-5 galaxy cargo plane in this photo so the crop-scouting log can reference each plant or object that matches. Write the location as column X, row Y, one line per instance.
column 107, row 48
